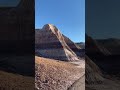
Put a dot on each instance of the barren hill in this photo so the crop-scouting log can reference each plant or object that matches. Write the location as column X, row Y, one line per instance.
column 50, row 43
column 99, row 62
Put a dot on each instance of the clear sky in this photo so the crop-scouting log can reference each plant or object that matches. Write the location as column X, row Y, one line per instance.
column 67, row 15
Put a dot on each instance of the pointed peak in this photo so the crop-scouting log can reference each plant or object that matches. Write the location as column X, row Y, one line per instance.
column 50, row 27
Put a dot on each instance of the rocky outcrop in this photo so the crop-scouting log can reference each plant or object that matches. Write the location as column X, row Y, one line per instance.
column 50, row 43
column 76, row 48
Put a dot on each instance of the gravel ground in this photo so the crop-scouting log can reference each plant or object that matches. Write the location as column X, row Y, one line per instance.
column 79, row 84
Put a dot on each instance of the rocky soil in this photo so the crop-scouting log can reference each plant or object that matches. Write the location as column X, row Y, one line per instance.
column 56, row 75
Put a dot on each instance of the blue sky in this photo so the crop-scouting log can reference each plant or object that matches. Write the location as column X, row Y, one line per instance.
column 67, row 15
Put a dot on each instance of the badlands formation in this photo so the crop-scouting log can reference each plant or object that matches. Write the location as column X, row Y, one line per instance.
column 99, row 66
column 50, row 43
column 59, row 62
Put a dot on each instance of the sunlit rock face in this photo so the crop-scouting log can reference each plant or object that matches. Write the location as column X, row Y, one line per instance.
column 50, row 43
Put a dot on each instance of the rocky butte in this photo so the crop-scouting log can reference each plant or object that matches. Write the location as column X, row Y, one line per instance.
column 51, row 43
column 52, row 50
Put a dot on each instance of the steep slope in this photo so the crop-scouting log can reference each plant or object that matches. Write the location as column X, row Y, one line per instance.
column 76, row 48
column 50, row 43
column 93, row 73
column 71, row 44
column 104, row 53
column 92, row 46
column 95, row 80
column 98, row 64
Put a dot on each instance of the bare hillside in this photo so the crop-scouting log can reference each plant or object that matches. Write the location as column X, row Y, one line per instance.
column 56, row 75
column 51, row 43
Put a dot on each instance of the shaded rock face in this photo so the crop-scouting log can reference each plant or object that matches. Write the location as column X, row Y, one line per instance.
column 17, row 38
column 93, row 47
column 111, row 44
column 103, row 52
column 50, row 43
column 17, row 26
column 93, row 73
column 76, row 48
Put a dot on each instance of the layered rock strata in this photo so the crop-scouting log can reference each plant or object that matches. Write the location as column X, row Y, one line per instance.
column 50, row 43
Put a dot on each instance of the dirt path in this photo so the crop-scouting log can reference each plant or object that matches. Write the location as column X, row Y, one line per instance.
column 79, row 84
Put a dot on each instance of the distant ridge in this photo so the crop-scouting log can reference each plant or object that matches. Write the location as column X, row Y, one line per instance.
column 92, row 46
